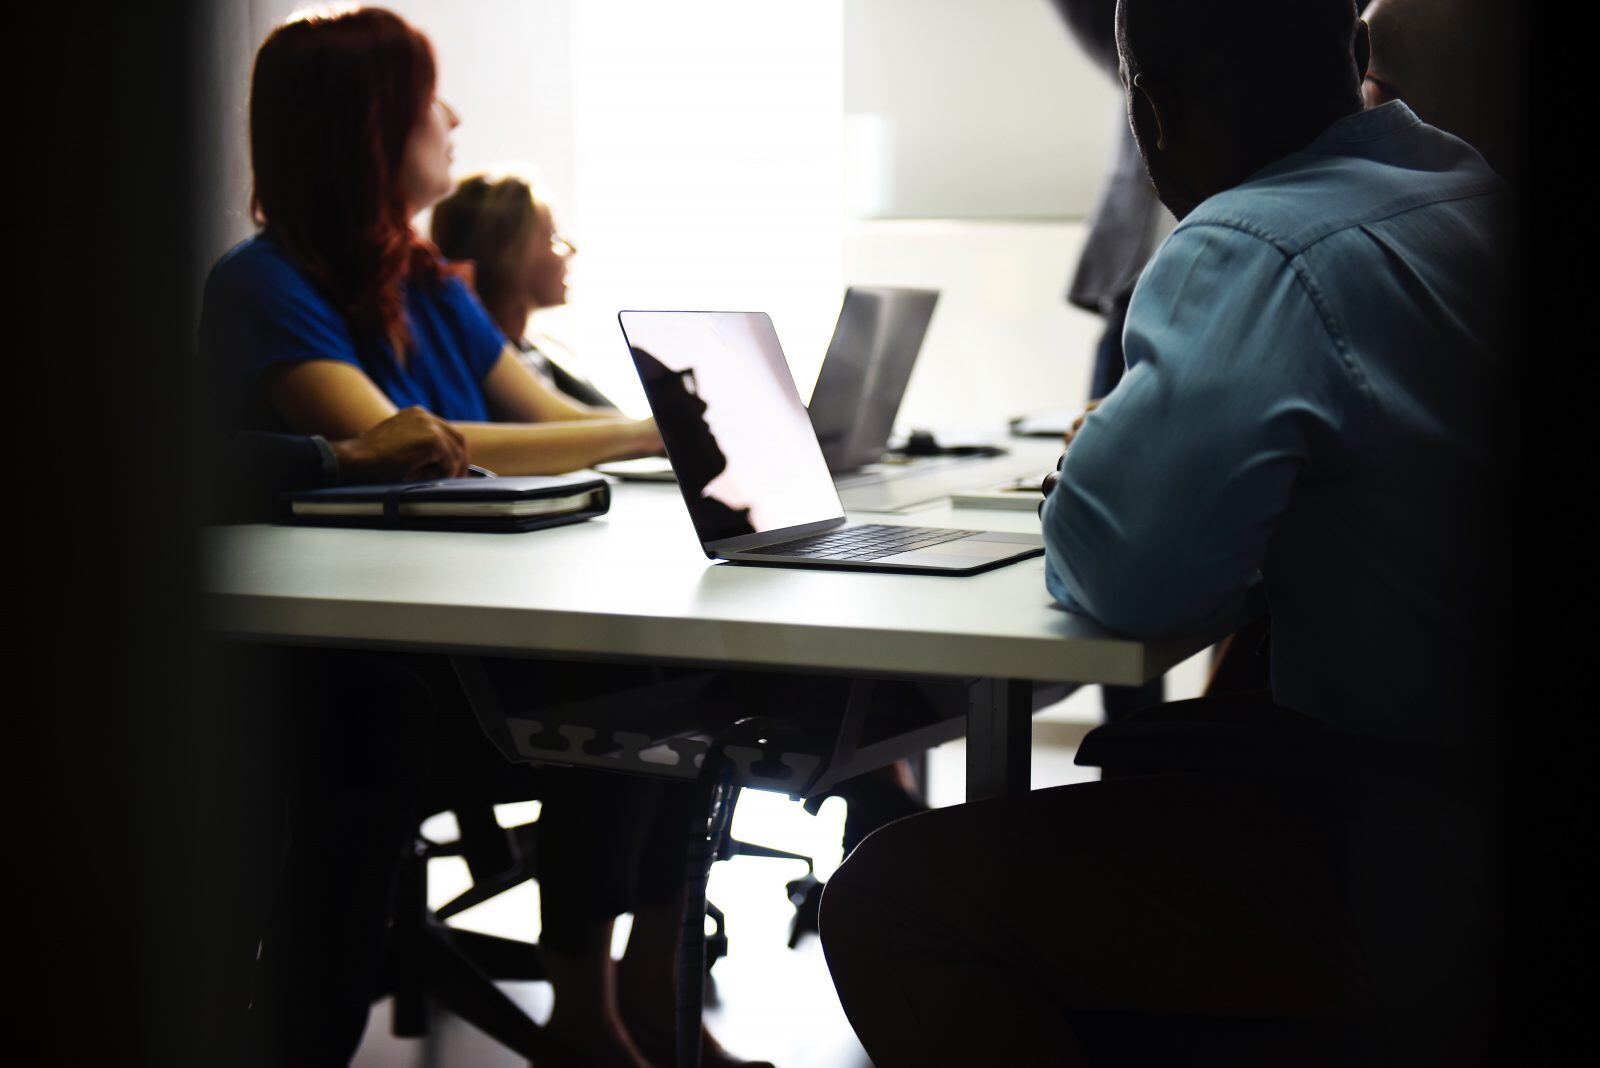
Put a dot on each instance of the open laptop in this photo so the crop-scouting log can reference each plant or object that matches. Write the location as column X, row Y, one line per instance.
column 749, row 465
column 863, row 379
column 864, row 374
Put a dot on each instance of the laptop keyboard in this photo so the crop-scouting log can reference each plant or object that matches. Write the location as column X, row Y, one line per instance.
column 869, row 541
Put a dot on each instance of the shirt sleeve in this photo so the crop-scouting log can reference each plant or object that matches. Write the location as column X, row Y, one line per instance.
column 1171, row 491
column 482, row 340
column 252, row 469
column 260, row 310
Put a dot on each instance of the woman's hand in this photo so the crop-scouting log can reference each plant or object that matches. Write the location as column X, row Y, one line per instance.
column 648, row 438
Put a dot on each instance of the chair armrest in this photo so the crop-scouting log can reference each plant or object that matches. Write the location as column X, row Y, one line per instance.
column 1236, row 733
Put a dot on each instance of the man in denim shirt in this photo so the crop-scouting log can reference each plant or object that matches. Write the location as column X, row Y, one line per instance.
column 1313, row 358
column 1309, row 411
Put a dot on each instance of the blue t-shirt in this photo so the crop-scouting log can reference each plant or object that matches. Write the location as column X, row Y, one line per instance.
column 262, row 309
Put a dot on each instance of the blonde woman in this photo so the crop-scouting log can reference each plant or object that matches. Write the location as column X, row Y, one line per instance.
column 608, row 844
column 507, row 230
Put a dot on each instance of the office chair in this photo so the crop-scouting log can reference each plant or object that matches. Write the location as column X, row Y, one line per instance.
column 430, row 961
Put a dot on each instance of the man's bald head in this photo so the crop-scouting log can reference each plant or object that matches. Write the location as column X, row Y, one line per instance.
column 1457, row 64
column 1219, row 89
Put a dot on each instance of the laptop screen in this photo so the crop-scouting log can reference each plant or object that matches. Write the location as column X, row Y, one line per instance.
column 865, row 373
column 739, row 439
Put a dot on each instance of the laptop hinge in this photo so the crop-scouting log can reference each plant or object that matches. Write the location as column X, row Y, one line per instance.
column 746, row 542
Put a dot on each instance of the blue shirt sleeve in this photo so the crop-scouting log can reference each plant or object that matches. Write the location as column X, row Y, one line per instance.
column 1172, row 489
column 261, row 310
column 481, row 340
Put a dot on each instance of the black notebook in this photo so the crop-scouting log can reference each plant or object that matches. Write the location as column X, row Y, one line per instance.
column 492, row 505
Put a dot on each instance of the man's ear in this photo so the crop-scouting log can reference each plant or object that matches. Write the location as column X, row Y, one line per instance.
column 1147, row 114
column 1363, row 48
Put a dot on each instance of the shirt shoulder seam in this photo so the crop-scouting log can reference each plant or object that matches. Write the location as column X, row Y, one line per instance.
column 1484, row 187
column 1308, row 285
column 1406, row 206
column 1341, row 348
column 1242, row 227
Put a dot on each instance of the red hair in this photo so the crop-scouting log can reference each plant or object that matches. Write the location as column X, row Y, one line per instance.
column 333, row 103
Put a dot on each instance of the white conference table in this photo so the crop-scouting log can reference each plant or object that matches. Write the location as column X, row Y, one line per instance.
column 633, row 586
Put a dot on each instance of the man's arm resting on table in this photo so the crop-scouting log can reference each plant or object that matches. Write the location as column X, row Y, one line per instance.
column 1170, row 492
column 254, row 469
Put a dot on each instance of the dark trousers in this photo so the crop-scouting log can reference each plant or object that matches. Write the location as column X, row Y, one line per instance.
column 613, row 843
column 346, row 759
column 971, row 935
column 347, row 751
column 1195, row 918
column 608, row 844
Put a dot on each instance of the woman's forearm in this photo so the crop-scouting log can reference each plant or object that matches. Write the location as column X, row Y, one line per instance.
column 577, row 411
column 555, row 448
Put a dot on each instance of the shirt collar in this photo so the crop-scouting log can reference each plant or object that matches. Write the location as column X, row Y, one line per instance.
column 1367, row 125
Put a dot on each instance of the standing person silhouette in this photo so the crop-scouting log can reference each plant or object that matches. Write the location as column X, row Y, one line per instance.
column 1121, row 236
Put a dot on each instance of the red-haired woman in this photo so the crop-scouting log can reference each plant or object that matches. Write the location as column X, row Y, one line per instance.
column 332, row 317
column 337, row 314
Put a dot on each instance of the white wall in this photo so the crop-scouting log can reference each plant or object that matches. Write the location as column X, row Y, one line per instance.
column 233, row 33
column 709, row 170
column 505, row 66
column 1002, row 340
column 962, row 108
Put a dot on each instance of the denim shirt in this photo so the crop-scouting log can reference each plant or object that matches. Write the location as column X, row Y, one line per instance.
column 1313, row 358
